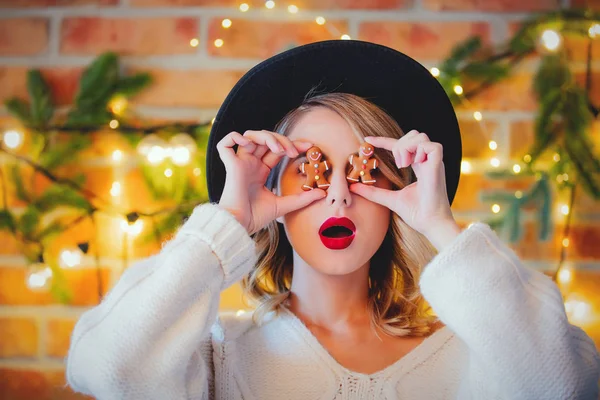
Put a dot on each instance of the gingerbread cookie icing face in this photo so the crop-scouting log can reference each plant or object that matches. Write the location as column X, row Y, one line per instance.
column 314, row 169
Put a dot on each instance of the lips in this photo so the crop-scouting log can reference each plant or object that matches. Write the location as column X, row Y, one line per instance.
column 337, row 233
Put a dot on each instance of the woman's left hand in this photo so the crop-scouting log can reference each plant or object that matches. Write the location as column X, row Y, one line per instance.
column 423, row 204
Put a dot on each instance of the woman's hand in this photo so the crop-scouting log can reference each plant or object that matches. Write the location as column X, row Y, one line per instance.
column 244, row 194
column 424, row 204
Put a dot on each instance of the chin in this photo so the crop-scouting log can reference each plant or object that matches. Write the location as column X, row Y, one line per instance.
column 334, row 262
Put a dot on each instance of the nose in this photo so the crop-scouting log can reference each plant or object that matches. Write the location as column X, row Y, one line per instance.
column 338, row 193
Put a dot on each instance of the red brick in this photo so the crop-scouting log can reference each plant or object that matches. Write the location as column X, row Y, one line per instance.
column 52, row 3
column 486, row 5
column 594, row 92
column 23, row 36
column 59, row 336
column 428, row 40
column 302, row 4
column 513, row 93
column 18, row 337
column 476, row 136
column 261, row 39
column 81, row 282
column 63, row 83
column 198, row 88
column 521, row 139
column 127, row 36
column 593, row 4
column 23, row 384
column 10, row 245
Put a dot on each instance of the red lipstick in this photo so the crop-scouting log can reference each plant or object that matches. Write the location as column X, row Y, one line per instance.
column 337, row 233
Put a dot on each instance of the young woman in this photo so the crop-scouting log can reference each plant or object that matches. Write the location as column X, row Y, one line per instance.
column 364, row 290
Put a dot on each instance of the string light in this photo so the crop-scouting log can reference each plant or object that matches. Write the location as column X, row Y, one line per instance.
column 244, row 7
column 345, row 37
column 495, row 162
column 565, row 242
column 117, row 156
column 194, row 42
column 556, row 157
column 320, row 20
column 551, row 39
column 458, row 89
column 132, row 229
column 12, row 139
column 270, row 4
column 156, row 155
column 518, row 194
column 292, row 9
column 219, row 43
column 114, row 124
column 70, row 258
column 565, row 275
column 496, row 208
column 435, row 71
column 564, row 209
column 39, row 277
column 594, row 30
column 226, row 23
column 197, row 171
column 115, row 189
column 240, row 313
column 168, row 172
column 477, row 116
column 118, row 105
column 466, row 167
column 516, row 168
column 493, row 145
column 527, row 158
column 578, row 311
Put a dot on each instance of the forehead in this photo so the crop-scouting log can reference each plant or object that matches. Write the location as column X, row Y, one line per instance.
column 327, row 130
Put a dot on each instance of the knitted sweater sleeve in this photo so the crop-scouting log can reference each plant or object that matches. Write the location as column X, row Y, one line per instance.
column 150, row 337
column 512, row 320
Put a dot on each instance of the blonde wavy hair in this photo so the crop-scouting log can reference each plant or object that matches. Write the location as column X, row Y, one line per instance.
column 396, row 305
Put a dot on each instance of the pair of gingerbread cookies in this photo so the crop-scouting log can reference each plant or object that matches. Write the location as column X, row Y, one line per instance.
column 362, row 165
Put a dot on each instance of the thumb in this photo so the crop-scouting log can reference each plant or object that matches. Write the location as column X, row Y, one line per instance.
column 293, row 202
column 374, row 194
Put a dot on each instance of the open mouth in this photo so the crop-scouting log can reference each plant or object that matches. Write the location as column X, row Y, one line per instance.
column 337, row 233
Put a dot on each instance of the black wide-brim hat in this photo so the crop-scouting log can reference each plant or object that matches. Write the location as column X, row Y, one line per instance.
column 388, row 78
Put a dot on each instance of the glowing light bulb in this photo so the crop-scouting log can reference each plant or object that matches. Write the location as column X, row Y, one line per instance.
column 132, row 229
column 244, row 7
column 168, row 172
column 292, row 9
column 466, row 167
column 219, row 43
column 345, row 37
column 458, row 89
column 518, row 194
column 197, row 171
column 226, row 23
column 70, row 258
column 556, row 157
column 565, row 242
column 496, row 208
column 577, row 309
column 156, row 155
column 115, row 189
column 594, row 30
column 320, row 20
column 565, row 275
column 495, row 162
column 12, row 139
column 527, row 158
column 118, row 105
column 551, row 39
column 240, row 312
column 270, row 4
column 39, row 277
column 435, row 71
column 194, row 42
column 564, row 209
column 477, row 116
column 114, row 124
column 516, row 168
column 493, row 145
column 117, row 156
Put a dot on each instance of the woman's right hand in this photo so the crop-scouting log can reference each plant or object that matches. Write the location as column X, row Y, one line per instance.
column 245, row 195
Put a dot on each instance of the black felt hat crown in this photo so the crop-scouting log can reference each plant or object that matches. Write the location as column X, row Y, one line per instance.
column 388, row 78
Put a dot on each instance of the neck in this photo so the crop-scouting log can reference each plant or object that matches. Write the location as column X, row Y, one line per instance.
column 329, row 301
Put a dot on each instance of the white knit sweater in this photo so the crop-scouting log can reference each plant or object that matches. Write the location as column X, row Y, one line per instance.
column 157, row 334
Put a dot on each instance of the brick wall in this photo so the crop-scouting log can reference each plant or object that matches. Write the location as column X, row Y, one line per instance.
column 61, row 37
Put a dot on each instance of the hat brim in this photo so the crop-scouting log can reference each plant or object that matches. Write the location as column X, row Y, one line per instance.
column 388, row 78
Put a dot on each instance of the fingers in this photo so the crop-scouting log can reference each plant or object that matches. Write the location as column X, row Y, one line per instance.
column 414, row 147
column 225, row 146
column 271, row 159
column 275, row 142
column 293, row 202
column 374, row 194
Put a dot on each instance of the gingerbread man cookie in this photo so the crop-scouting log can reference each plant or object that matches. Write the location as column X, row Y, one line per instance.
column 314, row 169
column 362, row 165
